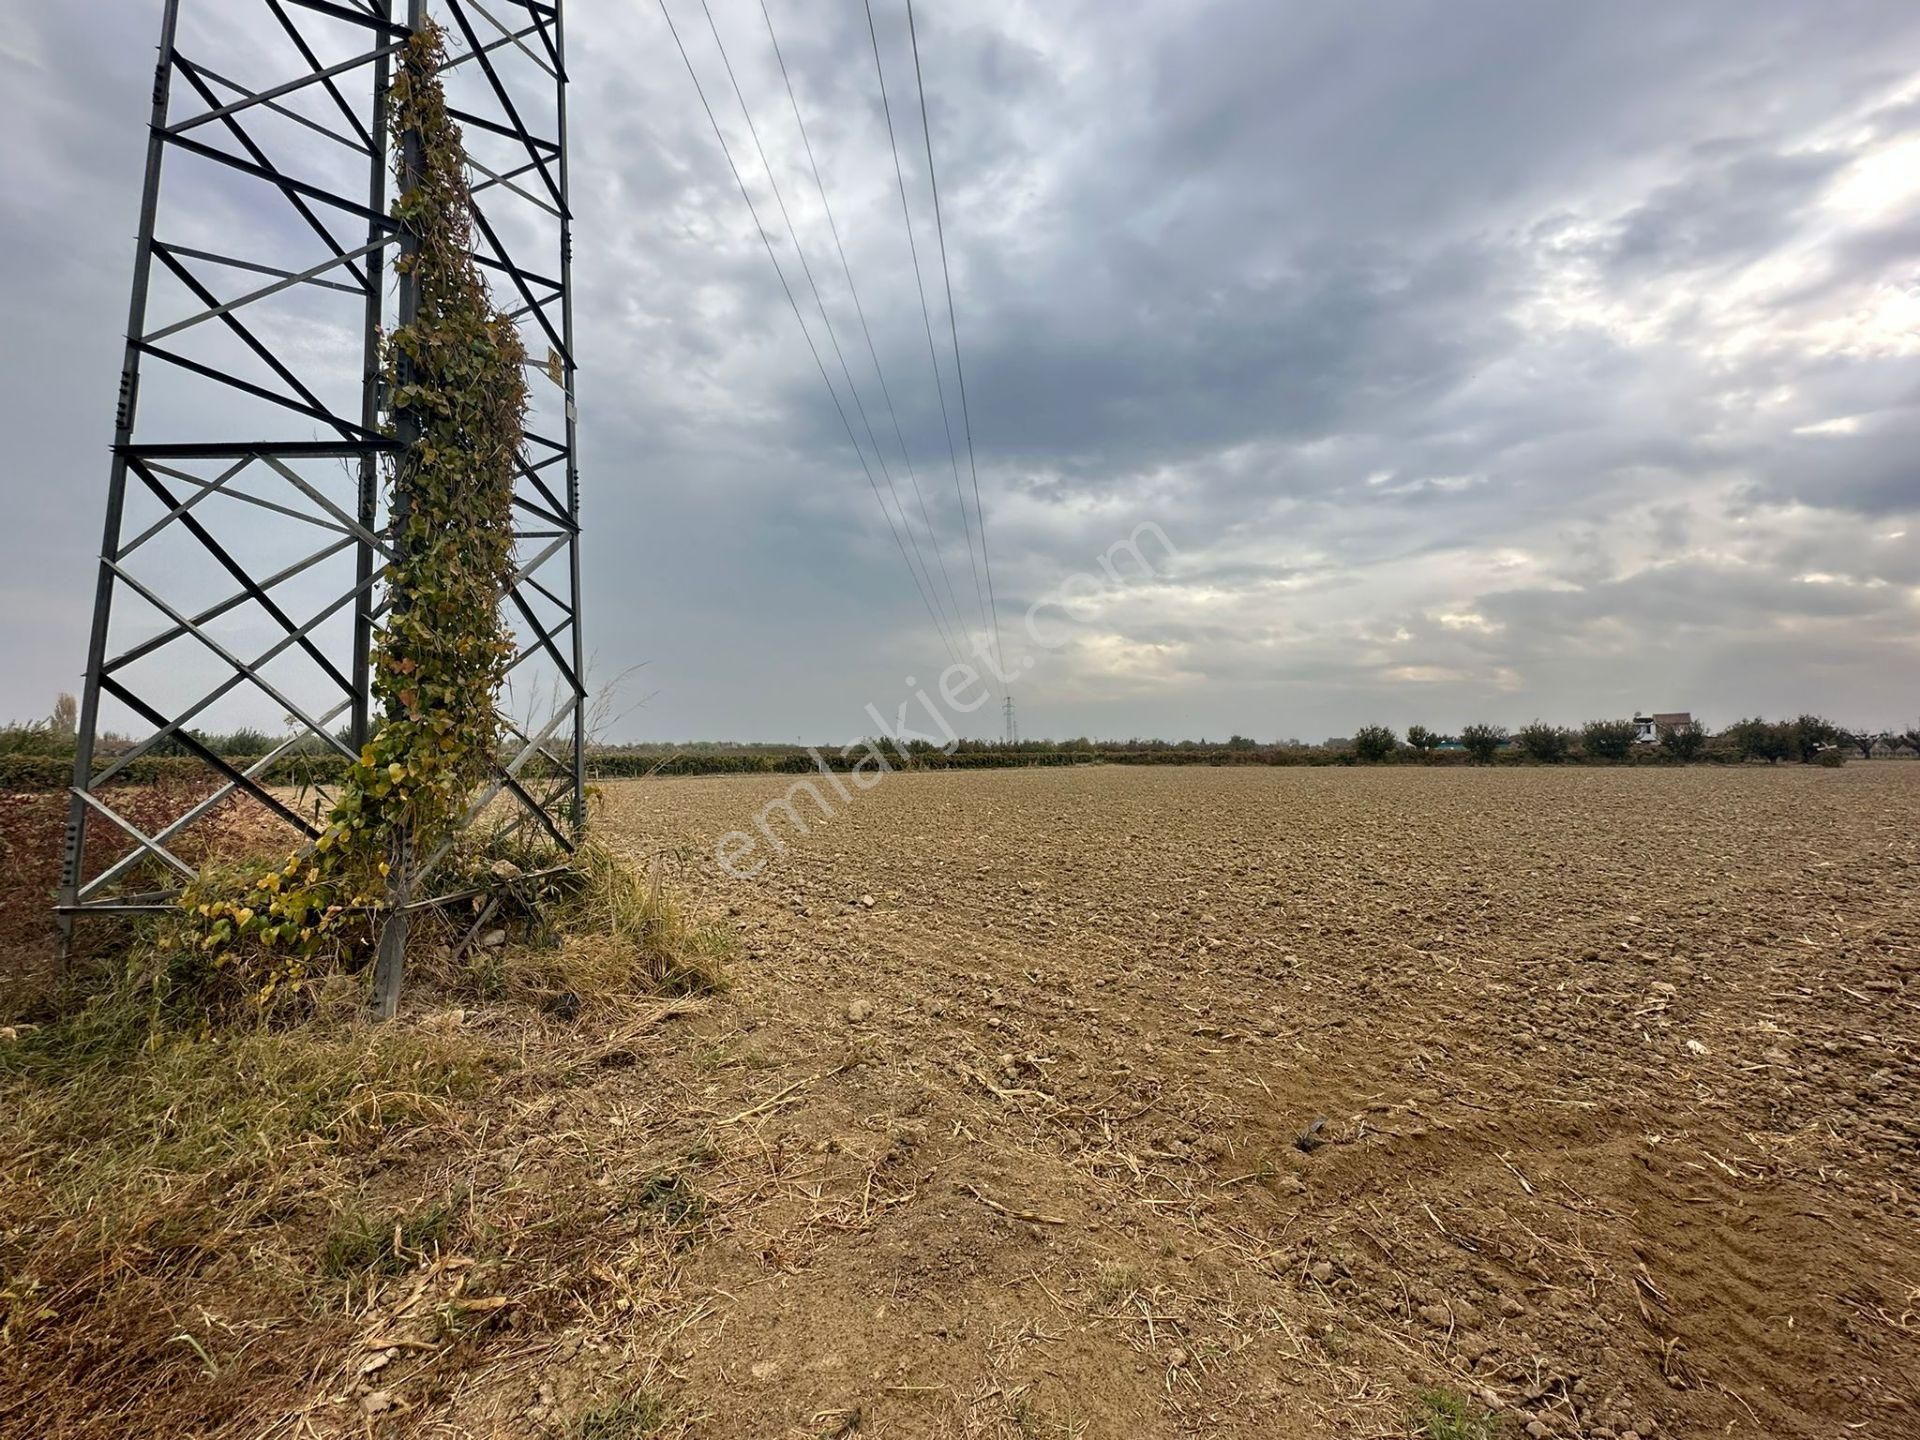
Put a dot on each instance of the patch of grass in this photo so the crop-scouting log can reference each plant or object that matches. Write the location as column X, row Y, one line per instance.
column 1115, row 1284
column 162, row 1147
column 1030, row 1421
column 632, row 1417
column 726, row 1054
column 1333, row 1339
column 486, row 975
column 1443, row 1415
column 361, row 1242
column 673, row 1200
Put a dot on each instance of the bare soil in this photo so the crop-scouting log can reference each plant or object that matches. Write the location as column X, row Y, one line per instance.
column 1614, row 1074
column 1116, row 1102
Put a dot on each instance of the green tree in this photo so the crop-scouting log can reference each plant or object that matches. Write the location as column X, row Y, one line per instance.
column 1808, row 735
column 1757, row 739
column 247, row 740
column 1545, row 743
column 1684, row 742
column 1482, row 740
column 1373, row 743
column 1776, row 741
column 1608, row 739
column 1424, row 740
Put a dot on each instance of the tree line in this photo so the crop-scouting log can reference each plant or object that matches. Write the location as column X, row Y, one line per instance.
column 39, row 753
column 1809, row 739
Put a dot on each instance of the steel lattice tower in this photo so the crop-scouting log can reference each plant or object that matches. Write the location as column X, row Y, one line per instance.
column 245, row 524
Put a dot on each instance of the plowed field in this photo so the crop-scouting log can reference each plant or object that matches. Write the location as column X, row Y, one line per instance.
column 1258, row 1102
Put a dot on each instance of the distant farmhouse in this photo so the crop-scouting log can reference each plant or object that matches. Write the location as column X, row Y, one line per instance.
column 1647, row 728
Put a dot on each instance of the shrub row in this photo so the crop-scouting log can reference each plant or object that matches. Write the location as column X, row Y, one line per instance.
column 618, row 766
column 55, row 772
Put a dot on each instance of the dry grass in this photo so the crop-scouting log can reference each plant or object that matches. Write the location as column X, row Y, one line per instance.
column 117, row 1119
column 618, row 934
column 147, row 1161
column 202, row 1195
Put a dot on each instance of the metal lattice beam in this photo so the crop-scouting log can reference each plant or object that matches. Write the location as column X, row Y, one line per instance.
column 252, row 421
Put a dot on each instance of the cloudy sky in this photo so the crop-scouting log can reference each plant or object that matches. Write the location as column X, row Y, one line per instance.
column 1477, row 360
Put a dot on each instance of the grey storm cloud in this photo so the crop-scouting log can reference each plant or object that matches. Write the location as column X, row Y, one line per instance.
column 1478, row 359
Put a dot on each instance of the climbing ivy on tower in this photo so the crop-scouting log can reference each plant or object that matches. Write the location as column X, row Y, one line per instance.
column 457, row 397
column 457, row 373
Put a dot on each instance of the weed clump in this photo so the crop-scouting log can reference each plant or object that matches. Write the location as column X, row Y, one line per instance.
column 615, row 935
column 1116, row 1284
column 673, row 1200
column 363, row 1243
column 638, row 1416
column 1442, row 1415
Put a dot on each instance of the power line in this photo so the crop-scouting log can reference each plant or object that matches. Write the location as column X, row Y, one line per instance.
column 926, row 313
column 818, row 300
column 953, row 324
column 812, row 349
column 886, row 392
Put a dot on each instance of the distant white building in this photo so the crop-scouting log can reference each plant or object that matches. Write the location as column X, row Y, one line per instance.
column 1647, row 728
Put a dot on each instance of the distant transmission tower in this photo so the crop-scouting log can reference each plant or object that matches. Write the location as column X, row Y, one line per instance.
column 1013, row 725
column 246, row 529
